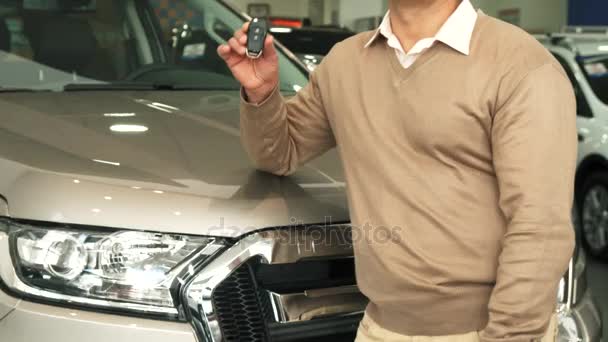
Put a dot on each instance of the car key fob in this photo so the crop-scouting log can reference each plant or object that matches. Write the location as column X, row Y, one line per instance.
column 256, row 35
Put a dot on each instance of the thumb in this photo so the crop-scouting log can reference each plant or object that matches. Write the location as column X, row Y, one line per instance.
column 270, row 51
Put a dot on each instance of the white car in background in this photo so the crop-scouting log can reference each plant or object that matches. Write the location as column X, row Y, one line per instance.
column 583, row 52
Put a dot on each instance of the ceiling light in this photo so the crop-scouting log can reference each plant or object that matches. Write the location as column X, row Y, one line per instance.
column 603, row 47
column 96, row 211
column 118, row 115
column 76, row 181
column 135, row 187
column 108, row 198
column 159, row 192
column 128, row 128
column 106, row 162
column 280, row 30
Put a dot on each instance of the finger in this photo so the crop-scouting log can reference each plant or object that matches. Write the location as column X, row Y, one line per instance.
column 239, row 33
column 245, row 27
column 243, row 39
column 230, row 57
column 236, row 47
column 269, row 49
column 224, row 51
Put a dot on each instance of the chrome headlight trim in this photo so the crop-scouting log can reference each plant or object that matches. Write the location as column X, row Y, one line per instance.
column 14, row 285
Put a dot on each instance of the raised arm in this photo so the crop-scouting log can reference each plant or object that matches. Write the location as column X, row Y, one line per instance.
column 278, row 135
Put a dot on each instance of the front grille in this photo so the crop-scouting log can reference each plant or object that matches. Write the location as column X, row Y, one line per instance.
column 244, row 310
column 241, row 309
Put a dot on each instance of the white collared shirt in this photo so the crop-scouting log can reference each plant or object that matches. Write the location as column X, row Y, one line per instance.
column 456, row 32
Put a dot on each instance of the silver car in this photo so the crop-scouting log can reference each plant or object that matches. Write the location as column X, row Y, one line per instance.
column 128, row 209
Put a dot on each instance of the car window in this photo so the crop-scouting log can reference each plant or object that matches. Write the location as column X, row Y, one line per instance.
column 595, row 69
column 191, row 31
column 48, row 44
column 582, row 106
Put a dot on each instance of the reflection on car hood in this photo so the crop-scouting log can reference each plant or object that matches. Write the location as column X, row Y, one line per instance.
column 60, row 162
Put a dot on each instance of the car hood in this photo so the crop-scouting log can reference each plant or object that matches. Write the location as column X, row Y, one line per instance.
column 188, row 173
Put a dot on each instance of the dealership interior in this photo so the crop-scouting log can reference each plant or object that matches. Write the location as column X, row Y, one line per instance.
column 537, row 16
column 130, row 211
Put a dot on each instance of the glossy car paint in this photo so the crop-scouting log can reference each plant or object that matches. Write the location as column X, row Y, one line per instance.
column 7, row 304
column 188, row 173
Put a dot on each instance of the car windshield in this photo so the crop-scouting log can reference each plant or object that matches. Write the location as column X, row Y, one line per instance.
column 596, row 71
column 118, row 44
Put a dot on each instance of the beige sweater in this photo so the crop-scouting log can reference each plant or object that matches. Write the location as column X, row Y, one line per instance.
column 466, row 161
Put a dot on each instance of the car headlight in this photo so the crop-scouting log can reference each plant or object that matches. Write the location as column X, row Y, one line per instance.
column 132, row 271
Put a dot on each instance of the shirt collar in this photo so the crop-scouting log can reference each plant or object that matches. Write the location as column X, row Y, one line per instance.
column 456, row 32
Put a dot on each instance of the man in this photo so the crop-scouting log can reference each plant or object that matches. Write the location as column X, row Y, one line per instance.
column 457, row 129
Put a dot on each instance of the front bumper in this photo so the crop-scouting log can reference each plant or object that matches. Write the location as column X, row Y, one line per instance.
column 27, row 322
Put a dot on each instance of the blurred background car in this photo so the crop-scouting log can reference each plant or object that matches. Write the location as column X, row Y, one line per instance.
column 309, row 43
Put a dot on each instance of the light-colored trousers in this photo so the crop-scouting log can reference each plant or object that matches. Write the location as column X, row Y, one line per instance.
column 370, row 331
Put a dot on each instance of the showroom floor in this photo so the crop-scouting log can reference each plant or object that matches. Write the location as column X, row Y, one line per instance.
column 597, row 274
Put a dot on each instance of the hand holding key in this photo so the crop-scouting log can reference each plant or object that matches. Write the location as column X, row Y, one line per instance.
column 259, row 76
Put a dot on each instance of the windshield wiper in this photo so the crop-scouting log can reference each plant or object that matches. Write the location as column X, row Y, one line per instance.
column 20, row 90
column 138, row 86
column 108, row 86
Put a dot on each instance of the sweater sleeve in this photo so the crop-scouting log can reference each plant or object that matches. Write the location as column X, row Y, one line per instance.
column 281, row 135
column 534, row 151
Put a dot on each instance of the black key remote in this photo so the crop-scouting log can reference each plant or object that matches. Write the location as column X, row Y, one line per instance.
column 256, row 35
